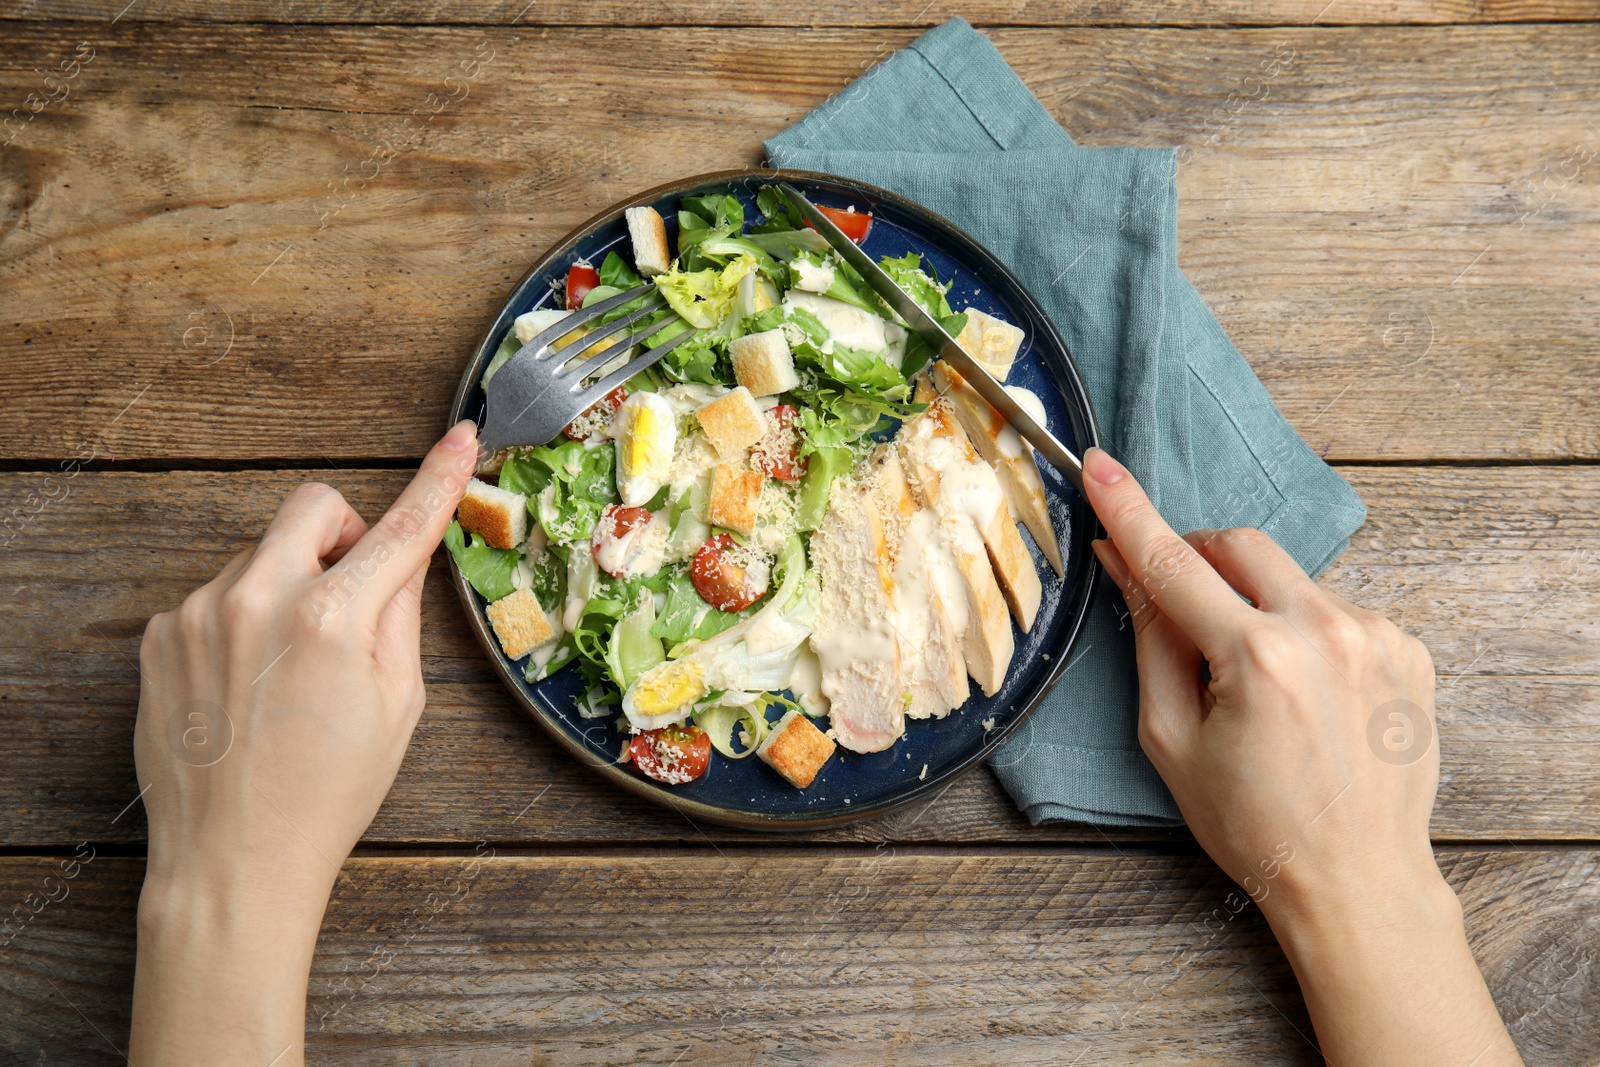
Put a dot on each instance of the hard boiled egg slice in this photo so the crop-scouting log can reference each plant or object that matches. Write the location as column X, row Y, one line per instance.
column 664, row 694
column 646, row 432
column 532, row 323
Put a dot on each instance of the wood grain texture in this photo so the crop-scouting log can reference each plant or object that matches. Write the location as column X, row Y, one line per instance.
column 1397, row 229
column 832, row 13
column 1495, row 569
column 885, row 957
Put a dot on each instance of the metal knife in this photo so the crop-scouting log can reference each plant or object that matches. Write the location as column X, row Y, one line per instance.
column 1058, row 454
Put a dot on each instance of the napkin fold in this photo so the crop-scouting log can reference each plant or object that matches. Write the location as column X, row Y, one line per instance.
column 1092, row 232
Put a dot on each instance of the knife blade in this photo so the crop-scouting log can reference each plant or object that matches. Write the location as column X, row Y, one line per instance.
column 949, row 350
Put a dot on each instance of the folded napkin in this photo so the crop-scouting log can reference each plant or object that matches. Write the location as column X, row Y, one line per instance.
column 1092, row 232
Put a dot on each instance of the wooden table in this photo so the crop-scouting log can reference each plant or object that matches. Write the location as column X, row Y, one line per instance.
column 245, row 244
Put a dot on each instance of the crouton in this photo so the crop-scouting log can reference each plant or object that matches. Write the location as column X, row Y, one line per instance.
column 649, row 236
column 497, row 515
column 732, row 423
column 520, row 623
column 735, row 498
column 991, row 341
column 795, row 749
column 763, row 363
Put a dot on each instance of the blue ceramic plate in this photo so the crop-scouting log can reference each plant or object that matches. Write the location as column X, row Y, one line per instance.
column 748, row 793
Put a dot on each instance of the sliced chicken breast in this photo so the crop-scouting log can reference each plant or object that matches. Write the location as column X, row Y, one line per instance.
column 1010, row 456
column 969, row 485
column 926, row 582
column 963, row 492
column 857, row 647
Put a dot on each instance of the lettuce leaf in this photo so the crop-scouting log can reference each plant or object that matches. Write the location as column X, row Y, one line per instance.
column 488, row 569
column 788, row 244
column 615, row 272
column 704, row 297
column 777, row 212
column 686, row 615
column 508, row 348
column 568, row 486
column 908, row 274
column 827, row 462
column 920, row 353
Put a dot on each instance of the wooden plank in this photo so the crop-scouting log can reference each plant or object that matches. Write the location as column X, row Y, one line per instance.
column 852, row 957
column 1496, row 569
column 834, row 13
column 1397, row 228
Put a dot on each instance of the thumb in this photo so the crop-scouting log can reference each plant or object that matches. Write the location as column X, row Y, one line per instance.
column 1171, row 706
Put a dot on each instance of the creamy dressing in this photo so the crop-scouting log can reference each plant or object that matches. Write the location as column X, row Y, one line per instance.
column 806, row 683
column 925, row 568
column 813, row 277
column 1010, row 443
column 580, row 586
column 640, row 551
column 839, row 647
column 688, row 397
column 849, row 325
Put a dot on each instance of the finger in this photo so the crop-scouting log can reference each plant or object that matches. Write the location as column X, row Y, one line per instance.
column 402, row 542
column 1256, row 566
column 313, row 522
column 1171, row 706
column 1181, row 583
column 235, row 565
column 399, row 645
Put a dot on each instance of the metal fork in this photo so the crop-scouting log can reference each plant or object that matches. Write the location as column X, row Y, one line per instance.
column 540, row 389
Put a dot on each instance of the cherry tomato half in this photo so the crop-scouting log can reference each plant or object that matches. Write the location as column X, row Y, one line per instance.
column 598, row 415
column 672, row 754
column 774, row 454
column 854, row 224
column 720, row 578
column 580, row 279
column 616, row 522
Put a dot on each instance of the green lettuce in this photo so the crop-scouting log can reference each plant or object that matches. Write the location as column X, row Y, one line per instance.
column 703, row 297
column 488, row 569
column 777, row 211
column 581, row 483
column 615, row 272
column 686, row 616
column 908, row 274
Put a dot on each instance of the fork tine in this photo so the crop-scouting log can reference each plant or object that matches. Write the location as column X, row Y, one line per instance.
column 575, row 351
column 542, row 343
column 634, row 366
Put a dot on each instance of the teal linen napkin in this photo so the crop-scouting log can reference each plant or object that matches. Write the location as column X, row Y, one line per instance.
column 1093, row 235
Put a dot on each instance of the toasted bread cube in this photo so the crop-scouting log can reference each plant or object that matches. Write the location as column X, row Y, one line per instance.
column 649, row 236
column 991, row 341
column 732, row 423
column 497, row 515
column 763, row 363
column 520, row 623
column 735, row 498
column 795, row 749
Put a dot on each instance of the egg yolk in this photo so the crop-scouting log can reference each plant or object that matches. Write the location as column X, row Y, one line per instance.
column 675, row 685
column 644, row 430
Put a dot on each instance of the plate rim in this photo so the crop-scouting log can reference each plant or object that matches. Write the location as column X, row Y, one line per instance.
column 613, row 772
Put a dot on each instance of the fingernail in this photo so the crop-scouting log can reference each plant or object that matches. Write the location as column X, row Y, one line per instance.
column 461, row 436
column 1099, row 465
